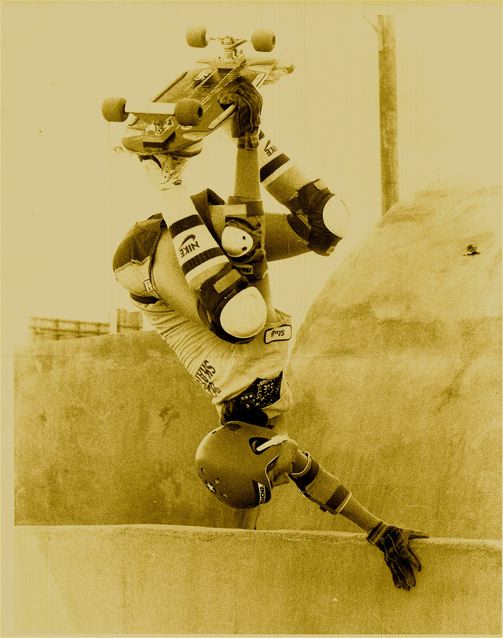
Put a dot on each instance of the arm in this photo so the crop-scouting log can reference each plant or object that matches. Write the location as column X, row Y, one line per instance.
column 328, row 492
column 243, row 236
column 246, row 177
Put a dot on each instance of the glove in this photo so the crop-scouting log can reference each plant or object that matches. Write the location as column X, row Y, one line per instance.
column 246, row 120
column 398, row 556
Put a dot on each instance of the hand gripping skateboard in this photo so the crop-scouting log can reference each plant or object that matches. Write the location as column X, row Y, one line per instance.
column 187, row 110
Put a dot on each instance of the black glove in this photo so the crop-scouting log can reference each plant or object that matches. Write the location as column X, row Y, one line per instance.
column 398, row 556
column 246, row 119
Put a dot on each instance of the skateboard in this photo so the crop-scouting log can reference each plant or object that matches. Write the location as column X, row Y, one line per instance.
column 187, row 110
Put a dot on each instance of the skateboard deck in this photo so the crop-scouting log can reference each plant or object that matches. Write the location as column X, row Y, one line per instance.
column 187, row 110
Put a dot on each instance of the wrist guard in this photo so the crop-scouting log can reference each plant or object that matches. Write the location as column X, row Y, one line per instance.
column 246, row 119
column 249, row 140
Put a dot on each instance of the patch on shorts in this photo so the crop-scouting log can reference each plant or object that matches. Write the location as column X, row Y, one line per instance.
column 280, row 333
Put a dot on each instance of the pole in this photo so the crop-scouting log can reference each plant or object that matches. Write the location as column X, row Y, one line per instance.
column 388, row 112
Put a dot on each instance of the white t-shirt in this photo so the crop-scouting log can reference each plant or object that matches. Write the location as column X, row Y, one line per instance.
column 225, row 369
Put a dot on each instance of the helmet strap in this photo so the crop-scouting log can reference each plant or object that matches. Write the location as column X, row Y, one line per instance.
column 275, row 440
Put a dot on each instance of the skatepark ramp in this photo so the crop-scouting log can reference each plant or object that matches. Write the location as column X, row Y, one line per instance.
column 103, row 435
column 396, row 373
column 165, row 579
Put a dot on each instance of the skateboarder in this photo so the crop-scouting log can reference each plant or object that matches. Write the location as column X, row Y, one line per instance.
column 198, row 272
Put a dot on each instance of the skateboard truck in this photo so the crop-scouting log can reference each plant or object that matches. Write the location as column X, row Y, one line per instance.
column 187, row 111
column 261, row 39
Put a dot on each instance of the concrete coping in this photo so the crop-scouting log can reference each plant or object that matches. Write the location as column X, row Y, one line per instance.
column 465, row 544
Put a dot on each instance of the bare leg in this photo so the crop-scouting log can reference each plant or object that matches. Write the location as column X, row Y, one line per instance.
column 246, row 178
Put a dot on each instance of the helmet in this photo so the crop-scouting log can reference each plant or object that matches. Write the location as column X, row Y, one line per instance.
column 232, row 461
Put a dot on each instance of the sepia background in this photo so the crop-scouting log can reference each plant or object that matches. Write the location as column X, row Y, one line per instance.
column 409, row 416
column 67, row 197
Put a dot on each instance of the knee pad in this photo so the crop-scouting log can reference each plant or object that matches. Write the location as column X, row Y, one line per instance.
column 242, row 240
column 336, row 216
column 230, row 307
column 245, row 314
column 307, row 218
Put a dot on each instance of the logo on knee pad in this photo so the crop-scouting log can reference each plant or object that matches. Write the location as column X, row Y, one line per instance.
column 281, row 333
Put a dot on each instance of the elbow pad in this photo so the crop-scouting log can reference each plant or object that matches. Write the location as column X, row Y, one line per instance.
column 321, row 487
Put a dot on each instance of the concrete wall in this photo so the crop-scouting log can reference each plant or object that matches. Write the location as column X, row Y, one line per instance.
column 396, row 372
column 397, row 377
column 102, row 435
column 157, row 579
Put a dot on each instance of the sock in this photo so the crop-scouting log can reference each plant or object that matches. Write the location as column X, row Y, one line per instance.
column 278, row 174
column 197, row 252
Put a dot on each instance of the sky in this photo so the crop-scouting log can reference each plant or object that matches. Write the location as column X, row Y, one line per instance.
column 68, row 197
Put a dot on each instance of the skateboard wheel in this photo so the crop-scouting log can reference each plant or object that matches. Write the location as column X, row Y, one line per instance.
column 263, row 40
column 188, row 111
column 113, row 109
column 196, row 37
